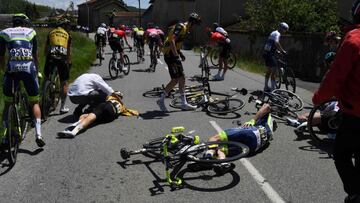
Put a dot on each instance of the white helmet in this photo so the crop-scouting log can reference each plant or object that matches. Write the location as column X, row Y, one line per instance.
column 284, row 26
column 103, row 25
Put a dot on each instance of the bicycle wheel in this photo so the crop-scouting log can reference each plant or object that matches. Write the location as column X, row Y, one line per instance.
column 126, row 68
column 323, row 129
column 291, row 99
column 231, row 60
column 281, row 113
column 154, row 93
column 153, row 148
column 113, row 70
column 214, row 57
column 12, row 135
column 24, row 113
column 225, row 106
column 278, row 78
column 138, row 54
column 289, row 80
column 46, row 101
column 194, row 100
column 236, row 150
column 55, row 89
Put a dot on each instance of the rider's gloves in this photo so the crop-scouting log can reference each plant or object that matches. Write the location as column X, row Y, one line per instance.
column 182, row 56
column 249, row 123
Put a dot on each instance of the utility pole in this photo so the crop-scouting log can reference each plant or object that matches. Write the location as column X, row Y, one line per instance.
column 139, row 14
column 219, row 12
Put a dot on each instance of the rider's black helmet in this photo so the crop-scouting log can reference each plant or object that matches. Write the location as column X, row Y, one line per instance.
column 20, row 19
column 194, row 18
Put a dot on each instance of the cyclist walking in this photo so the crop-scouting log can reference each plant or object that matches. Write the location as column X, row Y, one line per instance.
column 342, row 81
column 23, row 66
column 172, row 55
column 58, row 54
column 271, row 46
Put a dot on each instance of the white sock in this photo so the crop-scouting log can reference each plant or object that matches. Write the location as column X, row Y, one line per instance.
column 163, row 95
column 77, row 129
column 266, row 82
column 38, row 126
column 183, row 98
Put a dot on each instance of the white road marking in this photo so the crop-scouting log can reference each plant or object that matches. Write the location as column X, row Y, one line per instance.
column 160, row 61
column 264, row 185
column 166, row 68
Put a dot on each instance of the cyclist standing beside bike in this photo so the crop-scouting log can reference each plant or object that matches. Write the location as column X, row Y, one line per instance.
column 271, row 46
column 342, row 81
column 172, row 55
column 100, row 38
column 221, row 37
column 115, row 38
column 58, row 54
column 23, row 64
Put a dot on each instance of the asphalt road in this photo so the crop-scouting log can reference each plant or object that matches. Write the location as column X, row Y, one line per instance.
column 89, row 168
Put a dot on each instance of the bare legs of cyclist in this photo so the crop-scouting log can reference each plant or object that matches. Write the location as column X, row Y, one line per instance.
column 223, row 67
column 63, row 96
column 270, row 74
column 83, row 123
column 37, row 114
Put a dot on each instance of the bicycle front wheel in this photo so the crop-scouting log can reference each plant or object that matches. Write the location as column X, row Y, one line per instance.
column 113, row 70
column 12, row 135
column 126, row 68
column 225, row 106
column 231, row 60
column 289, row 80
column 291, row 99
column 233, row 151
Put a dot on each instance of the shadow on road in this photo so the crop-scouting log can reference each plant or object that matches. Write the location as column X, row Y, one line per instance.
column 156, row 114
column 68, row 119
column 314, row 146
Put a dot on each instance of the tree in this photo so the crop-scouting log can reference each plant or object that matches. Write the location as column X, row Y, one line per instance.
column 302, row 16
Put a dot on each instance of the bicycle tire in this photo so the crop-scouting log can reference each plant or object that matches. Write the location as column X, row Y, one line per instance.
column 153, row 148
column 293, row 100
column 113, row 70
column 100, row 56
column 278, row 78
column 232, row 60
column 55, row 89
column 289, row 80
column 24, row 113
column 126, row 64
column 225, row 106
column 12, row 135
column 196, row 152
column 281, row 113
column 196, row 100
column 214, row 58
column 319, row 136
column 46, row 100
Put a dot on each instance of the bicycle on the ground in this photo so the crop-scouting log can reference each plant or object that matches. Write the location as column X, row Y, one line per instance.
column 283, row 103
column 214, row 57
column 176, row 149
column 116, row 67
column 51, row 91
column 17, row 119
column 284, row 74
column 328, row 121
column 157, row 91
column 203, row 99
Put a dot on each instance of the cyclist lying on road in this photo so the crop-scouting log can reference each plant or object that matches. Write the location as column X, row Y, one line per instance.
column 320, row 119
column 107, row 111
column 255, row 133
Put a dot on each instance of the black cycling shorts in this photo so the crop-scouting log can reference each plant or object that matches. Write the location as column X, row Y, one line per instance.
column 225, row 51
column 175, row 67
column 100, row 39
column 153, row 41
column 62, row 66
column 116, row 46
column 105, row 112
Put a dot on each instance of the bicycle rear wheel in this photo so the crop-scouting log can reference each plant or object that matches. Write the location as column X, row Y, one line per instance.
column 292, row 99
column 278, row 78
column 46, row 101
column 281, row 113
column 113, row 70
column 231, row 60
column 214, row 57
column 289, row 80
column 324, row 132
column 225, row 106
column 12, row 135
column 55, row 89
column 24, row 113
column 126, row 68
column 236, row 150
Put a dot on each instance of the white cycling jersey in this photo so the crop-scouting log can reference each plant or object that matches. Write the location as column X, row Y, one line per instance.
column 270, row 43
column 221, row 31
column 87, row 83
column 101, row 31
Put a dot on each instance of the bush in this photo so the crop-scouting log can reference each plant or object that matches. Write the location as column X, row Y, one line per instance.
column 302, row 16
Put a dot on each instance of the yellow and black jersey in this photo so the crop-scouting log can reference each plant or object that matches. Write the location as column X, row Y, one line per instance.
column 59, row 42
column 178, row 33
